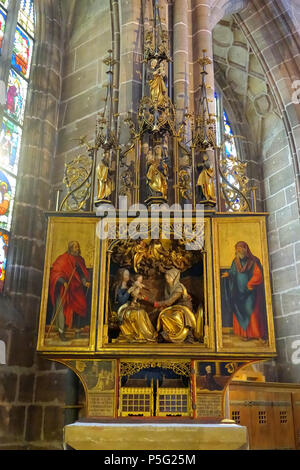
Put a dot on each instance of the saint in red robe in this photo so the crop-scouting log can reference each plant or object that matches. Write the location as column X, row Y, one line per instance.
column 69, row 268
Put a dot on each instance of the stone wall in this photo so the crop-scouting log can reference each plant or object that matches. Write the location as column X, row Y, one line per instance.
column 32, row 403
column 97, row 27
column 274, row 39
column 88, row 39
column 66, row 93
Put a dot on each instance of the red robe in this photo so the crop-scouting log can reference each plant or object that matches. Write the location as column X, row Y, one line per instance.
column 74, row 301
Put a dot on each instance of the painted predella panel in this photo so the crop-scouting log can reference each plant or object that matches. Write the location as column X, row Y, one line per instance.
column 67, row 319
column 242, row 286
column 211, row 381
column 99, row 380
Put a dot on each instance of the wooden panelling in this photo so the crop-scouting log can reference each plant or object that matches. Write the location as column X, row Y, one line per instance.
column 296, row 415
column 239, row 411
column 283, row 420
column 270, row 412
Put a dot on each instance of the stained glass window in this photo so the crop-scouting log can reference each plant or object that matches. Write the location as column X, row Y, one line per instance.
column 230, row 147
column 22, row 52
column 7, row 193
column 4, row 241
column 16, row 96
column 2, row 26
column 26, row 16
column 21, row 47
column 10, row 141
column 4, row 3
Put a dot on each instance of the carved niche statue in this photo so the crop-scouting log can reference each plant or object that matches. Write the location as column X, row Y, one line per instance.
column 205, row 182
column 157, row 172
column 105, row 184
column 157, row 85
column 184, row 177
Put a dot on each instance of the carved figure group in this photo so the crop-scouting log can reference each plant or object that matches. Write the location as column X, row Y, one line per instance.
column 176, row 321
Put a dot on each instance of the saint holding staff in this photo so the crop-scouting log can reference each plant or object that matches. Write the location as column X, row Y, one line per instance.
column 68, row 285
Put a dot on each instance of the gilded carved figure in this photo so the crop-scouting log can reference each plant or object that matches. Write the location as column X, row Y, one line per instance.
column 135, row 324
column 176, row 321
column 184, row 178
column 105, row 184
column 157, row 172
column 205, row 182
column 158, row 89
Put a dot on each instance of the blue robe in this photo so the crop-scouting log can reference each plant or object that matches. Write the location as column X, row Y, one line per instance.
column 239, row 298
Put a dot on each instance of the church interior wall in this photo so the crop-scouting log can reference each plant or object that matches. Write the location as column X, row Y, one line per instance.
column 67, row 92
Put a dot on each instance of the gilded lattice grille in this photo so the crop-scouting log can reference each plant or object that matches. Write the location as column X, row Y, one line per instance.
column 136, row 401
column 173, row 401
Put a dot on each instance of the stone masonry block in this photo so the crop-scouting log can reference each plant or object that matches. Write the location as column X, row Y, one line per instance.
column 34, row 423
column 50, row 387
column 284, row 279
column 282, row 257
column 289, row 233
column 282, row 179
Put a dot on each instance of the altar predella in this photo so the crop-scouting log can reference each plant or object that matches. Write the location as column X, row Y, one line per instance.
column 151, row 327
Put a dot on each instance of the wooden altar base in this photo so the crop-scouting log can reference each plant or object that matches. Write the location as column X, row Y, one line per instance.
column 155, row 435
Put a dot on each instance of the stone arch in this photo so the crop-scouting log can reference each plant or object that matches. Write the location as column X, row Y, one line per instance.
column 221, row 8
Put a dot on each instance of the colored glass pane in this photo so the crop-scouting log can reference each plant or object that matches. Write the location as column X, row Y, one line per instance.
column 4, row 3
column 2, row 26
column 22, row 52
column 10, row 141
column 7, row 194
column 16, row 96
column 230, row 147
column 4, row 242
column 26, row 16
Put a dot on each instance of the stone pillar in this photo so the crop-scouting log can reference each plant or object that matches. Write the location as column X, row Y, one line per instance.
column 130, row 88
column 180, row 57
column 202, row 39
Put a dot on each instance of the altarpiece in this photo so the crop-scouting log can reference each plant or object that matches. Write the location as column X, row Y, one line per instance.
column 154, row 307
